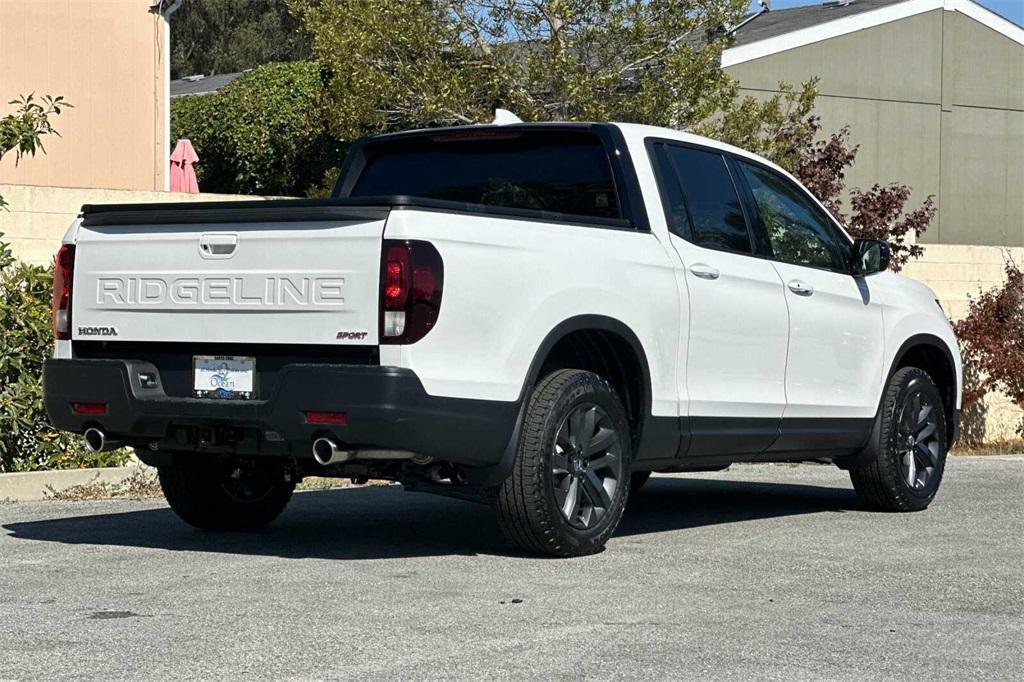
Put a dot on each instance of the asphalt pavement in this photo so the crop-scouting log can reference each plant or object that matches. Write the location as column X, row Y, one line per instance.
column 759, row 572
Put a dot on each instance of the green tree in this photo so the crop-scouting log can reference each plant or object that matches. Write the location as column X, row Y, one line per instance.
column 265, row 133
column 23, row 130
column 449, row 62
column 443, row 62
column 222, row 36
column 435, row 62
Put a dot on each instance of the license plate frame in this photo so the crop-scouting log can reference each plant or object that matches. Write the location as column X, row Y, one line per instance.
column 224, row 377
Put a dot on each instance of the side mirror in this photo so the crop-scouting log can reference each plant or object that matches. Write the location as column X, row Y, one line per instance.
column 870, row 256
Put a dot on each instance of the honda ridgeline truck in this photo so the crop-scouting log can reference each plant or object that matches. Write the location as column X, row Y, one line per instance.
column 533, row 316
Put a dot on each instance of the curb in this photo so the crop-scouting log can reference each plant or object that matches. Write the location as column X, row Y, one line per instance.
column 31, row 486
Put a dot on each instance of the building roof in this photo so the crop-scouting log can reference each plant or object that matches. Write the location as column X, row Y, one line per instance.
column 201, row 85
column 786, row 29
column 779, row 21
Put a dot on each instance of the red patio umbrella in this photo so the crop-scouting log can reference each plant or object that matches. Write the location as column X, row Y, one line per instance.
column 183, row 172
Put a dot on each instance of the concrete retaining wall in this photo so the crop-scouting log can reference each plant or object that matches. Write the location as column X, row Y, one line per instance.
column 39, row 485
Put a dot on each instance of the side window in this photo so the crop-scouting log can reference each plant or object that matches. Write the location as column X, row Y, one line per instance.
column 797, row 229
column 709, row 204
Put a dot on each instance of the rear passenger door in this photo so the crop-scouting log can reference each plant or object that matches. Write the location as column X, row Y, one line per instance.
column 835, row 355
column 735, row 357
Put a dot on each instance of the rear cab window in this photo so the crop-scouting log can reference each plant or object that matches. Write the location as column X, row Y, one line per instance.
column 700, row 197
column 560, row 171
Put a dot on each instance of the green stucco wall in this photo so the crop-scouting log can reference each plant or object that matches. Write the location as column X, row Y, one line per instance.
column 935, row 101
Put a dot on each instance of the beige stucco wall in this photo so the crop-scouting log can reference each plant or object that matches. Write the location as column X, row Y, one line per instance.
column 107, row 58
column 956, row 273
column 39, row 216
column 935, row 101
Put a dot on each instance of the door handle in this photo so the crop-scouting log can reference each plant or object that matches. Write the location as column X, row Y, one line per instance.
column 800, row 288
column 216, row 245
column 704, row 271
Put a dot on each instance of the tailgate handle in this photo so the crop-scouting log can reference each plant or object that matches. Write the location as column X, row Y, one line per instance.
column 218, row 245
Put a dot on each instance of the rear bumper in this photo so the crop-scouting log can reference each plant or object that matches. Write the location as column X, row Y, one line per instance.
column 386, row 408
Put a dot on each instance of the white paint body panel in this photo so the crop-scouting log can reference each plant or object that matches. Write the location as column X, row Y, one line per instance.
column 738, row 346
column 297, row 283
column 825, row 352
column 736, row 350
column 508, row 283
column 836, row 345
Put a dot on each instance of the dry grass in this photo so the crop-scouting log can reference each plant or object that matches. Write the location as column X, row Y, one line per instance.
column 140, row 484
column 1005, row 447
column 325, row 483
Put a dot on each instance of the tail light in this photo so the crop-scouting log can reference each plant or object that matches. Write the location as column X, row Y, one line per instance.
column 63, row 272
column 411, row 280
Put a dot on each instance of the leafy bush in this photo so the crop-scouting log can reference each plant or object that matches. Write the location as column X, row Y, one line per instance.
column 265, row 133
column 992, row 339
column 27, row 441
column 22, row 131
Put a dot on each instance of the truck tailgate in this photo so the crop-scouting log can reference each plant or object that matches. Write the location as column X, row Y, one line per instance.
column 272, row 273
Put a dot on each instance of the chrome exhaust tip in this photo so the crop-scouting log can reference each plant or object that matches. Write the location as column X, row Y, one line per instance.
column 327, row 452
column 97, row 441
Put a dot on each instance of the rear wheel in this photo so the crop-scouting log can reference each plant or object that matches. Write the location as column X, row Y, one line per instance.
column 911, row 456
column 569, row 482
column 219, row 493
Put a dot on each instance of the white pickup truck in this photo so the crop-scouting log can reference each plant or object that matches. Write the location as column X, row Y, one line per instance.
column 533, row 316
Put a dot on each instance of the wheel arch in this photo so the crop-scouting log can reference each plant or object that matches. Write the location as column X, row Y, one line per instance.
column 933, row 355
column 601, row 327
column 593, row 332
column 939, row 361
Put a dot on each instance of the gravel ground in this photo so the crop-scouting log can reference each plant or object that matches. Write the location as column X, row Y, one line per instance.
column 761, row 571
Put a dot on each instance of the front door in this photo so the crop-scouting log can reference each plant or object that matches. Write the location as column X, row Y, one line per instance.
column 834, row 370
column 735, row 358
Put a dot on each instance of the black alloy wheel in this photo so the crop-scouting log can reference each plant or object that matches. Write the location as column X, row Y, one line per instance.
column 918, row 439
column 569, row 482
column 909, row 456
column 586, row 465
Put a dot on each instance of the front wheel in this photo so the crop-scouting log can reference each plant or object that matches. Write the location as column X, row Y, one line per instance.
column 219, row 493
column 570, row 479
column 911, row 455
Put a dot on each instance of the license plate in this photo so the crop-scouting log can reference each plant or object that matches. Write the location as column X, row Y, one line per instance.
column 227, row 377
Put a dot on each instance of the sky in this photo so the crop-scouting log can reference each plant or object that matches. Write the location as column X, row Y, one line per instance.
column 1010, row 9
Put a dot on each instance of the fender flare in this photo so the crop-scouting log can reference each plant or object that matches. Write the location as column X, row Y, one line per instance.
column 870, row 449
column 923, row 340
column 587, row 322
column 493, row 475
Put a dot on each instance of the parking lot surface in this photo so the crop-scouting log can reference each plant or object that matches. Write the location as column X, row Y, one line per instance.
column 756, row 572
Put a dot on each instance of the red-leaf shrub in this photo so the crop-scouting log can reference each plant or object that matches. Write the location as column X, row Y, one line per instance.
column 992, row 339
column 878, row 213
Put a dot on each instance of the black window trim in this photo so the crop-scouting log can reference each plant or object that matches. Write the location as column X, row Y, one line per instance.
column 752, row 214
column 651, row 143
column 624, row 177
column 830, row 222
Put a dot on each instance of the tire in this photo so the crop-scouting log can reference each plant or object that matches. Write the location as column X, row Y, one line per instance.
column 217, row 493
column 905, row 477
column 568, row 486
column 638, row 479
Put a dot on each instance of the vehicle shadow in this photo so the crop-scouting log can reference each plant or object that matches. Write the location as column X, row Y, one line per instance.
column 387, row 523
